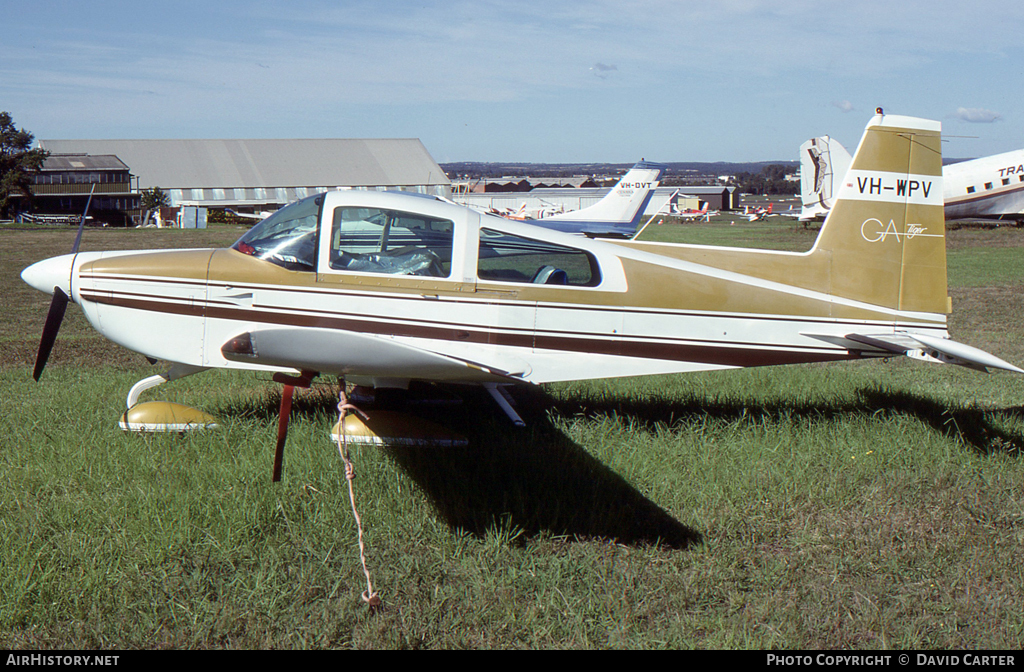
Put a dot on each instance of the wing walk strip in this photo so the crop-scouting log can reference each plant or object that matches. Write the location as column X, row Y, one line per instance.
column 745, row 354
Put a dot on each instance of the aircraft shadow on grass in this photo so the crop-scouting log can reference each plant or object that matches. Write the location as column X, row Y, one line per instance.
column 538, row 480
column 972, row 427
column 533, row 480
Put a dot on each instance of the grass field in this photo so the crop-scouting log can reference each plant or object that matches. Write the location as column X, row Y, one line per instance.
column 864, row 506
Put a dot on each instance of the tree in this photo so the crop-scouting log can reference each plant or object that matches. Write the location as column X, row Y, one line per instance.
column 771, row 180
column 153, row 199
column 17, row 162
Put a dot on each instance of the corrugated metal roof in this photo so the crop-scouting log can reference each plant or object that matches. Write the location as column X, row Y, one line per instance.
column 267, row 163
column 66, row 162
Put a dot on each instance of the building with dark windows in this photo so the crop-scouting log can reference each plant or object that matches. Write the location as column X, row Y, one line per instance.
column 62, row 188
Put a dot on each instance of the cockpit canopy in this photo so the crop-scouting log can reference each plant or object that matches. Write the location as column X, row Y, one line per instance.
column 389, row 234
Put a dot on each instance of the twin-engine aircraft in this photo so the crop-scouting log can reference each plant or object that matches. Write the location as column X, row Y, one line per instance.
column 988, row 188
column 387, row 288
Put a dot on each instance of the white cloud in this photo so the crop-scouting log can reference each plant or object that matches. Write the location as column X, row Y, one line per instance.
column 843, row 105
column 977, row 115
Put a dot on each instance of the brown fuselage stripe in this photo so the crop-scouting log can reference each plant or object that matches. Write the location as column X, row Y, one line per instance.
column 704, row 354
column 405, row 296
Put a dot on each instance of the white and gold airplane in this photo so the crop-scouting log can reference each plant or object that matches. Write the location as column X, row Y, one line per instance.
column 387, row 288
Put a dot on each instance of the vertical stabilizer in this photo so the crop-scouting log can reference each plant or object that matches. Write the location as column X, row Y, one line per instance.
column 619, row 212
column 885, row 234
column 823, row 165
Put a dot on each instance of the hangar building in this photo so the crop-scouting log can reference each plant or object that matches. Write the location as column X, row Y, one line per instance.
column 254, row 175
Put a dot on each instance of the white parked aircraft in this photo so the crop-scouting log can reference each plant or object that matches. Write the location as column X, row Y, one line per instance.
column 823, row 165
column 386, row 288
column 618, row 213
column 986, row 188
column 263, row 214
column 989, row 188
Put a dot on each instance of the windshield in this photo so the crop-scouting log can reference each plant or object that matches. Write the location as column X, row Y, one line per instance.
column 286, row 238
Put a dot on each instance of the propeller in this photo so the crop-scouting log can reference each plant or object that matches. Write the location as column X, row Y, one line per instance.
column 58, row 305
column 54, row 317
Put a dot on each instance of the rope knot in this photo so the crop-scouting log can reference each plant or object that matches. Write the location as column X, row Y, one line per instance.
column 373, row 600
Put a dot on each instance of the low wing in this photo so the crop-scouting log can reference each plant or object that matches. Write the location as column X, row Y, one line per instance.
column 379, row 356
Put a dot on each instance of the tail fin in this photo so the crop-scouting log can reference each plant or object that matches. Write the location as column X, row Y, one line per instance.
column 823, row 165
column 885, row 234
column 620, row 211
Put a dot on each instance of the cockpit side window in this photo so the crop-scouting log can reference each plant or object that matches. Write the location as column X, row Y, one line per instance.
column 286, row 238
column 373, row 240
column 509, row 258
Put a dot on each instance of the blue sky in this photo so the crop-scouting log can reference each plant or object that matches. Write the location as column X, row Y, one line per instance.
column 740, row 80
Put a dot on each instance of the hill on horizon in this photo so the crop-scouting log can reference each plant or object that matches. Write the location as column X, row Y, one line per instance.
column 678, row 169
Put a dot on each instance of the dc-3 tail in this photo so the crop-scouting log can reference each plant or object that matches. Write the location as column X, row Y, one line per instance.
column 884, row 238
column 823, row 165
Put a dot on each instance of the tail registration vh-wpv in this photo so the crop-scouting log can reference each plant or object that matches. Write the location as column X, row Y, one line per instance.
column 386, row 288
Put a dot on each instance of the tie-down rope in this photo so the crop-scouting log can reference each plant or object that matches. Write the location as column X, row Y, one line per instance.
column 344, row 408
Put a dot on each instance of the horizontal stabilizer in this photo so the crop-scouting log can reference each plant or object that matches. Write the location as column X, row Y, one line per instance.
column 920, row 346
column 948, row 350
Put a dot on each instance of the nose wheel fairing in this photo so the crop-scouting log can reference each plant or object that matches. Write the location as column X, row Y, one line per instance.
column 163, row 416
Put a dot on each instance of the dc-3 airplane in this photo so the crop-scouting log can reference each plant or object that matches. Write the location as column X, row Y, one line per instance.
column 387, row 288
column 988, row 188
